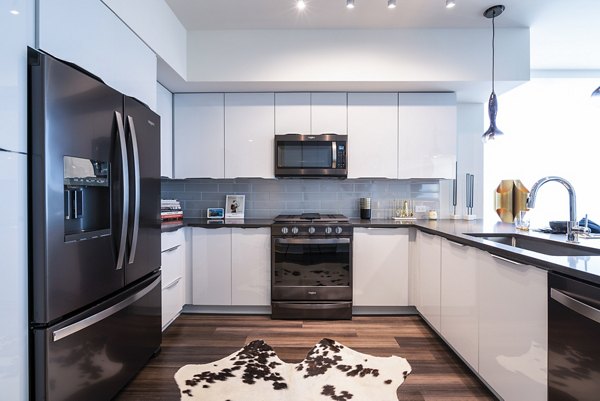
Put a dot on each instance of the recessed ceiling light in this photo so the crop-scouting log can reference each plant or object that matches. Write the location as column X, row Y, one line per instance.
column 391, row 3
column 14, row 12
column 300, row 4
column 349, row 3
column 450, row 3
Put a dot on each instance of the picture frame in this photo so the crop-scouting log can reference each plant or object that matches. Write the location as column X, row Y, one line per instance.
column 215, row 213
column 235, row 206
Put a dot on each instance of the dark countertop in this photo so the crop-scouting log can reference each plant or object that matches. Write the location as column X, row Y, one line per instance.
column 585, row 268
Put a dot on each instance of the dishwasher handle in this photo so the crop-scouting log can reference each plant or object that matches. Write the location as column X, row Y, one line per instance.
column 575, row 305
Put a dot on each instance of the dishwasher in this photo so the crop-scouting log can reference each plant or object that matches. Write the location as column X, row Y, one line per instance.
column 573, row 339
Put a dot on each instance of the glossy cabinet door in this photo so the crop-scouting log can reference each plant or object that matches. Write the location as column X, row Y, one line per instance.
column 429, row 281
column 173, row 269
column 89, row 34
column 17, row 27
column 211, row 266
column 249, row 135
column 380, row 267
column 164, row 108
column 329, row 112
column 292, row 113
column 459, row 300
column 513, row 327
column 13, row 287
column 251, row 266
column 199, row 135
column 427, row 135
column 372, row 135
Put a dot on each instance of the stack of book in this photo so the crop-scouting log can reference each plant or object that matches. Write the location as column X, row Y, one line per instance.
column 170, row 209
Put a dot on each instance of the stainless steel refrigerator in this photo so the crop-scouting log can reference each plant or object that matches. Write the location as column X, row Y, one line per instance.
column 94, row 233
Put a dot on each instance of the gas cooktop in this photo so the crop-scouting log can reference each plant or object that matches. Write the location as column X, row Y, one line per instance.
column 311, row 218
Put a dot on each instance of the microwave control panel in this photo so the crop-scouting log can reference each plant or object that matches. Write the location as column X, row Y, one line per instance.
column 341, row 155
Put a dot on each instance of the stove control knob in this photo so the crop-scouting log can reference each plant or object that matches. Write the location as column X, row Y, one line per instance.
column 294, row 230
column 311, row 230
column 328, row 230
column 284, row 230
column 338, row 230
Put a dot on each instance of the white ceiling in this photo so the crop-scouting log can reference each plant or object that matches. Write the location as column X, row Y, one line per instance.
column 565, row 34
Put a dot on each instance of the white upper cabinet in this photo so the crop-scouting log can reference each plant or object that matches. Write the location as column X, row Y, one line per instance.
column 373, row 135
column 380, row 267
column 199, row 135
column 164, row 108
column 329, row 112
column 17, row 31
column 427, row 135
column 251, row 266
column 459, row 301
column 513, row 328
column 249, row 135
column 89, row 34
column 292, row 113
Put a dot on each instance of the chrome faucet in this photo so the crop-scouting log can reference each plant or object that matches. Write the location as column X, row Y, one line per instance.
column 572, row 226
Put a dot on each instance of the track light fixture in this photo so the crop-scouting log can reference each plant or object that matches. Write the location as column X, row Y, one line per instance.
column 493, row 131
column 391, row 3
column 350, row 4
column 450, row 3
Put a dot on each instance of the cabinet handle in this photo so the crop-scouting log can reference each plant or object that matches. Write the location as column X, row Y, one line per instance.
column 171, row 249
column 457, row 244
column 506, row 260
column 173, row 284
column 575, row 305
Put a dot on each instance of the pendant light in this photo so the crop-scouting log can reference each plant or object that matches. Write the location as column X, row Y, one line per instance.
column 493, row 131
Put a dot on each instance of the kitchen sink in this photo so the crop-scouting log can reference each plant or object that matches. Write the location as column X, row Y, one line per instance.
column 540, row 245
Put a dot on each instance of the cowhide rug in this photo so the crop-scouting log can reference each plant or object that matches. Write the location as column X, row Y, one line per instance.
column 330, row 371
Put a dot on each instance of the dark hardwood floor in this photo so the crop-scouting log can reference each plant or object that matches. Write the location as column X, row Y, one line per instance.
column 437, row 374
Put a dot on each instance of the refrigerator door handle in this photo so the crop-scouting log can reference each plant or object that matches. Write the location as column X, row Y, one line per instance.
column 125, row 165
column 91, row 320
column 136, row 174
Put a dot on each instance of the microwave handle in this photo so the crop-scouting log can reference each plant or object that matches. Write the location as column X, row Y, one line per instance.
column 334, row 157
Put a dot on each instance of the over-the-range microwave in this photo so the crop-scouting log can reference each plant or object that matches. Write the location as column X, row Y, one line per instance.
column 306, row 155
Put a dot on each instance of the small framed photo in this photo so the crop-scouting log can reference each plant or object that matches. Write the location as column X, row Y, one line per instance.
column 215, row 213
column 234, row 206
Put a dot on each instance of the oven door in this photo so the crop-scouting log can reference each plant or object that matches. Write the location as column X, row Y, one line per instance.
column 311, row 269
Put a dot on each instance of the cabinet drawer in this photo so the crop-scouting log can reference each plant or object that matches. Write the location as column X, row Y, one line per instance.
column 171, row 239
column 172, row 300
column 172, row 263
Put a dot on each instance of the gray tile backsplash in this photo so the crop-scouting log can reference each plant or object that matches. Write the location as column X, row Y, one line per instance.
column 267, row 198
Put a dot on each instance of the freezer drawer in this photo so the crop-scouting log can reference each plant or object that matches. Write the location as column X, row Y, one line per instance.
column 92, row 356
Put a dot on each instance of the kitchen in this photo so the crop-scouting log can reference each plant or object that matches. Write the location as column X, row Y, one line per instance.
column 82, row 32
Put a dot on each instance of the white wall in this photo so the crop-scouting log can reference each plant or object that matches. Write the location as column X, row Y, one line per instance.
column 551, row 128
column 385, row 57
column 156, row 24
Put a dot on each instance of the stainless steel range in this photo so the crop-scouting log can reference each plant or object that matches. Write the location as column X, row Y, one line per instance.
column 311, row 267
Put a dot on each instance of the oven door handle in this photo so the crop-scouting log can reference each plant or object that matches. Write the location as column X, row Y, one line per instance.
column 312, row 241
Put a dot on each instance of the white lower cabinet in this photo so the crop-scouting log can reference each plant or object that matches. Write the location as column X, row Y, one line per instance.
column 211, row 270
column 173, row 275
column 251, row 266
column 459, row 300
column 513, row 327
column 429, row 278
column 231, row 266
column 380, row 267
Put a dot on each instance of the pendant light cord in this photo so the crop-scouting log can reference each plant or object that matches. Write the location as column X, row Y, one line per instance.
column 493, row 50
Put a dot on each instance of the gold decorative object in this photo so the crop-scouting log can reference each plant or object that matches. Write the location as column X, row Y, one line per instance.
column 511, row 198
